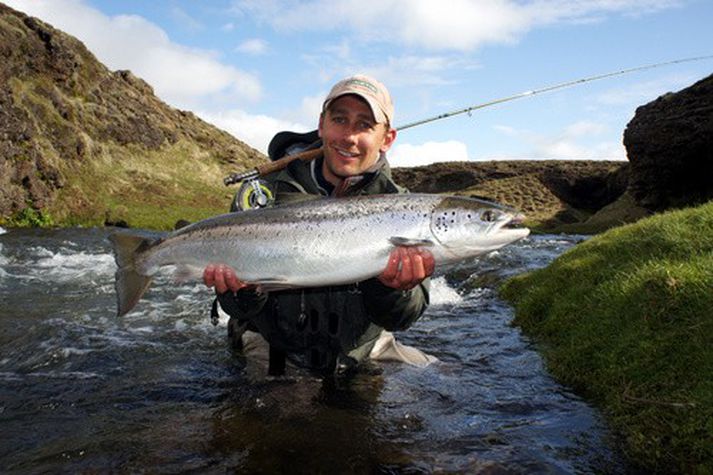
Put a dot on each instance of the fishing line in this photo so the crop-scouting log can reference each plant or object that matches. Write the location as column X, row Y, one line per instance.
column 311, row 154
column 563, row 85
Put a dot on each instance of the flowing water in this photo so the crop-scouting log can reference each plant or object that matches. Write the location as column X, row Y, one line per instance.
column 160, row 390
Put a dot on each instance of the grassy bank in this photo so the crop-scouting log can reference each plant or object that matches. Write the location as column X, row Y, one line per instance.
column 140, row 188
column 626, row 318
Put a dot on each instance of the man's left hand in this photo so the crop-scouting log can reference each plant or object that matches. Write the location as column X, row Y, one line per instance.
column 407, row 267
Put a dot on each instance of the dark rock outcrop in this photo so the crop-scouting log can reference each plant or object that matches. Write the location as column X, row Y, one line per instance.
column 669, row 143
column 588, row 185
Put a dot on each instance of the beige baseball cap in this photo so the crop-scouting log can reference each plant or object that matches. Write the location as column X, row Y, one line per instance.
column 369, row 89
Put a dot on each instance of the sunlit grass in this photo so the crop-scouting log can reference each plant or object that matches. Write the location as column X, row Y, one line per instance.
column 627, row 318
column 144, row 189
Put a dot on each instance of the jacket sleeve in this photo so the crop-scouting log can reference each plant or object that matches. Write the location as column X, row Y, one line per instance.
column 243, row 305
column 394, row 309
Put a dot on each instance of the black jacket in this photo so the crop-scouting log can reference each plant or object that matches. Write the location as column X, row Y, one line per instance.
column 327, row 329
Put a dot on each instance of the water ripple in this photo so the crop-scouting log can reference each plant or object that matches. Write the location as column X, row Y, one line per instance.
column 84, row 391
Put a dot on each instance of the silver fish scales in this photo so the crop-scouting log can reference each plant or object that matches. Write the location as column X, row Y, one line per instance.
column 316, row 242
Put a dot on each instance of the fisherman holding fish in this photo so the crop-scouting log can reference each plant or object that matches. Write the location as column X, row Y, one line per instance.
column 341, row 260
column 335, row 329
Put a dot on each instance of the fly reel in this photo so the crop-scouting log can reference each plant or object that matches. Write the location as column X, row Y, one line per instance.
column 253, row 194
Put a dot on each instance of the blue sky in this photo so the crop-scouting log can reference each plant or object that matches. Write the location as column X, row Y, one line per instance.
column 255, row 67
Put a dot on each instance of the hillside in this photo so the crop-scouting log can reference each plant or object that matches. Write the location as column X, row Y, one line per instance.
column 553, row 194
column 82, row 144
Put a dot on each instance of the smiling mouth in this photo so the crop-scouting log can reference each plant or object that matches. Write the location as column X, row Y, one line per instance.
column 346, row 154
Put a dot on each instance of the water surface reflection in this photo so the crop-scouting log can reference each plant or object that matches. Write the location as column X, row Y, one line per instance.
column 159, row 390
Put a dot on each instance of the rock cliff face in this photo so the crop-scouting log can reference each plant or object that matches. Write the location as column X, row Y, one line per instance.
column 669, row 143
column 553, row 192
column 60, row 108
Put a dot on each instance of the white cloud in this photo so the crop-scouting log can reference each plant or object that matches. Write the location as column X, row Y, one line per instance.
column 568, row 149
column 642, row 92
column 577, row 141
column 253, row 46
column 255, row 130
column 185, row 20
column 584, row 128
column 408, row 155
column 412, row 70
column 310, row 109
column 180, row 75
column 456, row 25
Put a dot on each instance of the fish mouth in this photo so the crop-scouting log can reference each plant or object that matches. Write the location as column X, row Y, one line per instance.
column 514, row 229
column 515, row 222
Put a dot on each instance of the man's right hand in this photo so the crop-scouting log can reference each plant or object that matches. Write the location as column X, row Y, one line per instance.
column 223, row 278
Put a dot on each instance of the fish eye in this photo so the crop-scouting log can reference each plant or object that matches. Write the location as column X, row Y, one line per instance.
column 488, row 215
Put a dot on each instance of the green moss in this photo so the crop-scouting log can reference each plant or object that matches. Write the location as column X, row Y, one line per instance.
column 627, row 319
column 30, row 217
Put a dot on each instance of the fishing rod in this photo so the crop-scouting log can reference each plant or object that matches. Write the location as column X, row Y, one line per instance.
column 312, row 154
column 549, row 89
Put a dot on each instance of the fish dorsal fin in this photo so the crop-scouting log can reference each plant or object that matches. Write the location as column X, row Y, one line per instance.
column 410, row 242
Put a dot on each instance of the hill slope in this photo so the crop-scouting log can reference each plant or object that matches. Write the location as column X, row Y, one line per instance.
column 553, row 194
column 80, row 143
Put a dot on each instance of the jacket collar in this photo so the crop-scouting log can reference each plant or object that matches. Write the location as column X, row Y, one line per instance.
column 350, row 183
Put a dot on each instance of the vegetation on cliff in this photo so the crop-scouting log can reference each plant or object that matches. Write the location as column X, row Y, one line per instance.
column 626, row 319
column 80, row 144
column 554, row 195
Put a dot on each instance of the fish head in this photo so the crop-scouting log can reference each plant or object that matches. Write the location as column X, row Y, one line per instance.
column 469, row 227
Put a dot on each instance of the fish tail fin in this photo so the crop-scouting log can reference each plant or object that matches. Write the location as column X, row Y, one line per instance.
column 130, row 285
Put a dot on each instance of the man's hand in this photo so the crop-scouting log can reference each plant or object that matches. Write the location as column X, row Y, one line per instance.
column 223, row 278
column 407, row 267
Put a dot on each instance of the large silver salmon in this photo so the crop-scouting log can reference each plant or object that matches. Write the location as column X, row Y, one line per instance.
column 317, row 242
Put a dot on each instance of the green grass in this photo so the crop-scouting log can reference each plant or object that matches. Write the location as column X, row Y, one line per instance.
column 30, row 218
column 143, row 189
column 626, row 318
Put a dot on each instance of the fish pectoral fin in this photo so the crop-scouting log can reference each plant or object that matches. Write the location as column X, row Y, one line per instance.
column 410, row 242
column 185, row 273
column 273, row 283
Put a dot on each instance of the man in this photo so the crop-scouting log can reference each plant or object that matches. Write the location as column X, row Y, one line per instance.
column 335, row 329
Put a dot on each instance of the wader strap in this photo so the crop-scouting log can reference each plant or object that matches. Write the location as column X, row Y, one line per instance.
column 276, row 366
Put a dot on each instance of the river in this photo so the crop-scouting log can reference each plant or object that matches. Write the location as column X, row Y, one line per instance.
column 160, row 390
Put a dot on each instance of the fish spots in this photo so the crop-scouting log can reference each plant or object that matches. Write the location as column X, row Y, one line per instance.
column 442, row 222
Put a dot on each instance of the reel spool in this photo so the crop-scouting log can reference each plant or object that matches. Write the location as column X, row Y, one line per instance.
column 253, row 194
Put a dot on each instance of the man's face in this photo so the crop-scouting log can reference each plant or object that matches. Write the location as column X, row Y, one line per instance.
column 352, row 140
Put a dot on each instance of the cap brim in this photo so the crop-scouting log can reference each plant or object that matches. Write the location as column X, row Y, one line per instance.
column 379, row 115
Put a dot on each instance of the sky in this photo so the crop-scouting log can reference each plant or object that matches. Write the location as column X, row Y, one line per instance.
column 256, row 67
